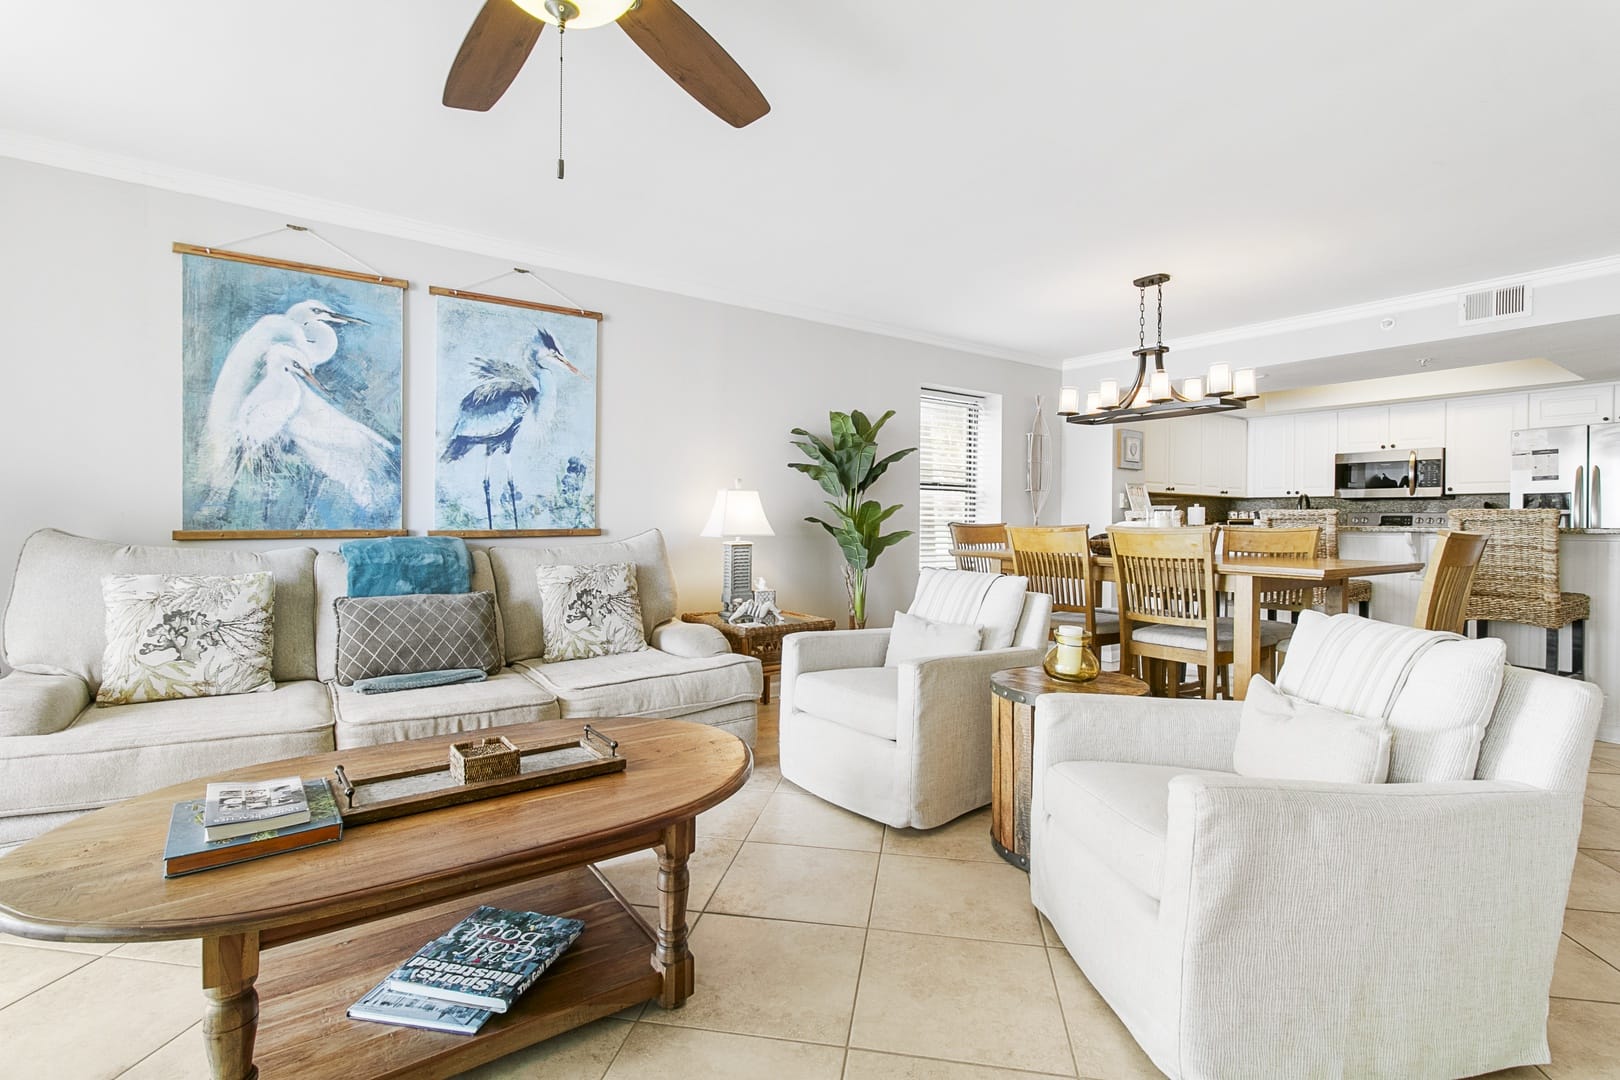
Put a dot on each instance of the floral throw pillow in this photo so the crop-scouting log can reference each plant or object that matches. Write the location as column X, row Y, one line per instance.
column 589, row 611
column 184, row 635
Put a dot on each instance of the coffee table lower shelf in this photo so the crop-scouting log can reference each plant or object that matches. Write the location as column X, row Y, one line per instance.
column 304, row 988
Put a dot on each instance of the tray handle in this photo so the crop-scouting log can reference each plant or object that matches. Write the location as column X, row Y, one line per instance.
column 611, row 744
column 343, row 782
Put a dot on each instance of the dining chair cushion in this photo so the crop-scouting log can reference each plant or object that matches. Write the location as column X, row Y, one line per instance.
column 1191, row 637
column 913, row 637
column 993, row 602
column 864, row 699
column 1287, row 738
column 1107, row 621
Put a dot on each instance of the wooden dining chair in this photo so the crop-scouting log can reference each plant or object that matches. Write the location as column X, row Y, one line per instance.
column 1260, row 542
column 1449, row 582
column 1057, row 561
column 992, row 538
column 1167, row 586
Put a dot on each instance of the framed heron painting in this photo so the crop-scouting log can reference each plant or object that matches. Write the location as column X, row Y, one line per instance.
column 291, row 407
column 516, row 417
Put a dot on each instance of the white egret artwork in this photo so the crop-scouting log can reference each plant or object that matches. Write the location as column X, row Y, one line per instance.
column 292, row 409
column 516, row 417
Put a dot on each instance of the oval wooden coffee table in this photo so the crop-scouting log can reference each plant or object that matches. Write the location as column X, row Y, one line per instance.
column 340, row 917
column 1013, row 693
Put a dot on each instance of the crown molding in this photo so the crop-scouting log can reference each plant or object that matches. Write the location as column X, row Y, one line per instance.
column 1552, row 275
column 75, row 158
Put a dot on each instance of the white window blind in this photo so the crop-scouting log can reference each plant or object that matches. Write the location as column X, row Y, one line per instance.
column 949, row 468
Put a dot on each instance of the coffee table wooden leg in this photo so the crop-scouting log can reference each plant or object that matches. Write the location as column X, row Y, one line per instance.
column 230, row 964
column 671, row 955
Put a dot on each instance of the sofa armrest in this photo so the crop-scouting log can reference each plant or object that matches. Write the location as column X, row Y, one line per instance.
column 1325, row 894
column 40, row 704
column 692, row 640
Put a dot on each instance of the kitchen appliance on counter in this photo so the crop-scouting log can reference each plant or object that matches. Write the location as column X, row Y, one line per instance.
column 1411, row 522
column 1391, row 474
column 1564, row 468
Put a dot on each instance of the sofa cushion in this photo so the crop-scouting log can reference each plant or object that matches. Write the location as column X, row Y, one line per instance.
column 332, row 582
column 505, row 698
column 646, row 683
column 408, row 635
column 866, row 699
column 913, row 637
column 56, row 621
column 993, row 602
column 519, row 592
column 590, row 610
column 111, row 753
column 1287, row 738
column 1119, row 811
column 186, row 636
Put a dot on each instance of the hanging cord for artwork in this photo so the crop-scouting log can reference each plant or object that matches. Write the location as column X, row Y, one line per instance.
column 289, row 227
column 526, row 273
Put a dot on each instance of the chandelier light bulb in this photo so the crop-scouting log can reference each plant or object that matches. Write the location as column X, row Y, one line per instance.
column 1220, row 380
column 1093, row 402
column 1192, row 389
column 1160, row 383
column 1108, row 392
column 1068, row 401
column 1243, row 385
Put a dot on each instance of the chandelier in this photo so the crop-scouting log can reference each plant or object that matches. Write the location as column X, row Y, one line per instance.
column 1153, row 396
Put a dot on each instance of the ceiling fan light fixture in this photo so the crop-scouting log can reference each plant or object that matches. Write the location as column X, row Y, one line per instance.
column 578, row 14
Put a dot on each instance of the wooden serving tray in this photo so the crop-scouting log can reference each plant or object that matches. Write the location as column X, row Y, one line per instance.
column 379, row 796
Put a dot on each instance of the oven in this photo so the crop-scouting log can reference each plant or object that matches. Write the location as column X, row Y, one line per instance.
column 1390, row 474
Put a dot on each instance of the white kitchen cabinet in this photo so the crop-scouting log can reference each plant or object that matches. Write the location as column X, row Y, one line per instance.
column 1227, row 470
column 1155, row 455
column 1292, row 455
column 1186, row 454
column 1478, row 438
column 1411, row 426
column 1571, row 406
column 1315, row 440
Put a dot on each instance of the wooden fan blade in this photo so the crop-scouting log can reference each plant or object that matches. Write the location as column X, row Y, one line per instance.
column 491, row 55
column 675, row 42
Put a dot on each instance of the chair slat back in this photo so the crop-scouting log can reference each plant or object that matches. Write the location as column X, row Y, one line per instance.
column 1057, row 561
column 984, row 538
column 1296, row 544
column 1448, row 584
column 1165, row 576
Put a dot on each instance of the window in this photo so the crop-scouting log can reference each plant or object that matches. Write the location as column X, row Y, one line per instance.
column 951, row 487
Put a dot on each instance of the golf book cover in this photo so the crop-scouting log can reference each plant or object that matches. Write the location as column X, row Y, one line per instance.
column 487, row 959
column 188, row 848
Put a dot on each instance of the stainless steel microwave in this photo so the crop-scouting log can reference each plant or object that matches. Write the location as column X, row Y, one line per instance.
column 1390, row 474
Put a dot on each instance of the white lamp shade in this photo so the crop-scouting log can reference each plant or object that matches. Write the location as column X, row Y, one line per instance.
column 1068, row 401
column 1220, row 380
column 1243, row 385
column 1108, row 391
column 1192, row 389
column 737, row 513
column 1159, row 386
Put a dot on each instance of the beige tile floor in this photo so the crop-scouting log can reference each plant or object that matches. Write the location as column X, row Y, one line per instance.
column 828, row 946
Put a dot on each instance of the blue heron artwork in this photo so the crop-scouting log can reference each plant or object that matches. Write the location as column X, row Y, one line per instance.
column 291, row 410
column 516, row 417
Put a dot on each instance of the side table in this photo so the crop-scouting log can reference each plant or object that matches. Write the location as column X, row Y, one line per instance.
column 1012, row 754
column 763, row 643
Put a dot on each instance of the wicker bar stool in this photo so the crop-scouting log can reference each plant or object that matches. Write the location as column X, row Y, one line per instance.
column 1357, row 591
column 1517, row 580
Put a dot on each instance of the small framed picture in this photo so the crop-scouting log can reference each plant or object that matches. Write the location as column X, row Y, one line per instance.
column 1128, row 449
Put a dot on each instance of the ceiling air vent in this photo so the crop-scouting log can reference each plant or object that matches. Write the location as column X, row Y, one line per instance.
column 1508, row 302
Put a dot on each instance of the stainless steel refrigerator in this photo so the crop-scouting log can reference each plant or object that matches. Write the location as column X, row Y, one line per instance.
column 1575, row 470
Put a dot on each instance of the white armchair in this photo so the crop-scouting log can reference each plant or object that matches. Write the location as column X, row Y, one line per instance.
column 1245, row 927
column 907, row 745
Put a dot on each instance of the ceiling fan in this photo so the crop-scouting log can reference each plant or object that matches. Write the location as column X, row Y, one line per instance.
column 505, row 32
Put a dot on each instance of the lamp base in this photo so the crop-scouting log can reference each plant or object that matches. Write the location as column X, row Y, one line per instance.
column 736, row 573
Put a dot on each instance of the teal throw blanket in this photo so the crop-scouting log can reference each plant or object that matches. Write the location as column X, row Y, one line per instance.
column 387, row 684
column 408, row 565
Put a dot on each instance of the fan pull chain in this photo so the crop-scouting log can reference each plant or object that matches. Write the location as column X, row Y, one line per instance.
column 562, row 29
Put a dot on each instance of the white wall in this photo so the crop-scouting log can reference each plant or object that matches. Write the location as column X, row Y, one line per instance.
column 692, row 393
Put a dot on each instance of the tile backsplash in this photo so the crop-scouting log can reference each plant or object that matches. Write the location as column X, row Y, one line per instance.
column 1217, row 508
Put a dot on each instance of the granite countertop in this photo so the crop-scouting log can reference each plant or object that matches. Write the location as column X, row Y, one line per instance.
column 1408, row 529
column 1589, row 532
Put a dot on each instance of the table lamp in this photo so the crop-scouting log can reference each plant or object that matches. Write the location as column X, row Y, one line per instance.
column 737, row 513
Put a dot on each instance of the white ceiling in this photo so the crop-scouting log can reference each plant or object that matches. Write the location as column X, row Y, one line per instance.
column 992, row 175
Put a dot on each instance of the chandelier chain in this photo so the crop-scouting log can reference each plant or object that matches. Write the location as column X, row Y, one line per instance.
column 562, row 29
column 1141, row 318
column 1161, row 314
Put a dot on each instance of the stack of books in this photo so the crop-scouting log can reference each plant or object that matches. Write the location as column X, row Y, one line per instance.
column 477, row 968
column 243, row 820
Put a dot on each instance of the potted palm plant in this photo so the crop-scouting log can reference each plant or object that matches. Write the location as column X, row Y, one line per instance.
column 845, row 468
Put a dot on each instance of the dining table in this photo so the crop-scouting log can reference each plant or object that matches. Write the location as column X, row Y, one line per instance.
column 1244, row 579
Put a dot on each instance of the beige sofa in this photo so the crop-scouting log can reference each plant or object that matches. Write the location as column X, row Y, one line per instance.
column 60, row 755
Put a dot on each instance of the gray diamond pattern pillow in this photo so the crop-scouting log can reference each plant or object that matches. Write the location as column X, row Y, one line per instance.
column 591, row 610
column 404, row 635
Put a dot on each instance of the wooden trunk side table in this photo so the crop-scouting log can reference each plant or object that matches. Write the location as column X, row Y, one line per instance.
column 763, row 643
column 1013, row 693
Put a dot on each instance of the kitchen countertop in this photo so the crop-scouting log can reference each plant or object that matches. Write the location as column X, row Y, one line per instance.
column 1408, row 528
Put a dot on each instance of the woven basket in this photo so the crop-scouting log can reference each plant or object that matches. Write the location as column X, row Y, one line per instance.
column 483, row 759
column 1517, row 579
